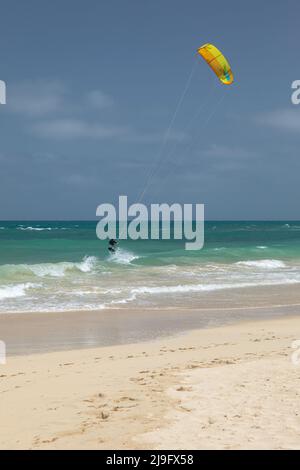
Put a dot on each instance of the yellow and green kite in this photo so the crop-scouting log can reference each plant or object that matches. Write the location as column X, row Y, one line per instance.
column 217, row 62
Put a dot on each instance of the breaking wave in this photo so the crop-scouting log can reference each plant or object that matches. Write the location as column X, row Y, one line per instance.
column 18, row 290
column 49, row 269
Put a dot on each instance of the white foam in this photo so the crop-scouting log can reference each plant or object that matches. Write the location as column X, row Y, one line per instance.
column 37, row 229
column 209, row 287
column 87, row 265
column 131, row 298
column 122, row 256
column 13, row 291
column 263, row 264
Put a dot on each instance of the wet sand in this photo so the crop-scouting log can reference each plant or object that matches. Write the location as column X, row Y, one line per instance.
column 27, row 333
column 30, row 333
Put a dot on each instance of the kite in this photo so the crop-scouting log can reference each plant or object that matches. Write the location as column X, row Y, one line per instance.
column 217, row 62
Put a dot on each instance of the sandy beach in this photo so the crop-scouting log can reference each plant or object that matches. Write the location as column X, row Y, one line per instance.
column 149, row 227
column 230, row 387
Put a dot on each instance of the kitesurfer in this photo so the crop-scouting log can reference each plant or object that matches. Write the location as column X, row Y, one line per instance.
column 112, row 245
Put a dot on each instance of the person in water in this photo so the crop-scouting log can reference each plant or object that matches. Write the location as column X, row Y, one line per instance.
column 112, row 245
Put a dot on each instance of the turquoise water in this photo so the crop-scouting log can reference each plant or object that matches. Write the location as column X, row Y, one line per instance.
column 57, row 266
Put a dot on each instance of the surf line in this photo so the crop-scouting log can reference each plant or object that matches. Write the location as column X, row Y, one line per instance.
column 2, row 92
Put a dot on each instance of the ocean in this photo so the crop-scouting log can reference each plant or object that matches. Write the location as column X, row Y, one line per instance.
column 62, row 266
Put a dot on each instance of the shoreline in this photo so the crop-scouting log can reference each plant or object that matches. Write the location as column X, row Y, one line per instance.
column 228, row 387
column 34, row 333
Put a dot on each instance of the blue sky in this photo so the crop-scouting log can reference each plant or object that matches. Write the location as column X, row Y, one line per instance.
column 92, row 87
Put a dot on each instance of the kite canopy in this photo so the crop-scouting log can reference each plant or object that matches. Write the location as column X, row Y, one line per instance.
column 217, row 62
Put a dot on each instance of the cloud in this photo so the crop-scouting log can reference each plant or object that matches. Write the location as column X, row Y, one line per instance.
column 77, row 128
column 36, row 98
column 49, row 106
column 99, row 100
column 83, row 129
column 284, row 119
column 55, row 115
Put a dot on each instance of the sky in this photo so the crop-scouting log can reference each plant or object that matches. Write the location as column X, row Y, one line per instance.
column 93, row 86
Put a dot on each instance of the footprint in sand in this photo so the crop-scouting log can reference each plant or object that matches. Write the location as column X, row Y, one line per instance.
column 194, row 366
column 104, row 415
column 123, row 403
column 184, row 389
column 127, row 399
